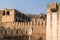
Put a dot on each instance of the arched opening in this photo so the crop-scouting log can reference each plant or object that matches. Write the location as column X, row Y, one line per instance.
column 8, row 31
column 14, row 31
column 20, row 31
column 8, row 13
column 3, row 13
column 2, row 30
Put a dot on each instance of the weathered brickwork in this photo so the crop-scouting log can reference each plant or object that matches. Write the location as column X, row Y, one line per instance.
column 16, row 24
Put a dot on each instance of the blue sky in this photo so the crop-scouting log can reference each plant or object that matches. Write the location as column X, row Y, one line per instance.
column 27, row 6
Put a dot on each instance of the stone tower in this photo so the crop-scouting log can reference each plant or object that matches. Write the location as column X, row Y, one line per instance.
column 12, row 15
column 53, row 22
column 7, row 15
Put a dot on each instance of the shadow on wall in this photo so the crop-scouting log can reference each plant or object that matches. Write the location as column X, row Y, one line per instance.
column 40, row 38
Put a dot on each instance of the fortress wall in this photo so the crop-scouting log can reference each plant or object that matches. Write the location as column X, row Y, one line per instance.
column 54, row 26
column 23, row 24
column 58, row 26
column 37, row 25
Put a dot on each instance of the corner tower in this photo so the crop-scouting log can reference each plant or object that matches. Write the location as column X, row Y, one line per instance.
column 53, row 22
column 12, row 15
column 7, row 15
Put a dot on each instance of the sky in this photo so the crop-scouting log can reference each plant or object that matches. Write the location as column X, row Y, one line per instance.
column 27, row 6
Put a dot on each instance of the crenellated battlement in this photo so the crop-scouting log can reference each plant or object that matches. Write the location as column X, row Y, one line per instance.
column 53, row 7
column 23, row 24
column 15, row 23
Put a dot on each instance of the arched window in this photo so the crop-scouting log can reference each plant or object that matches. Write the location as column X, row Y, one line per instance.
column 8, row 13
column 14, row 31
column 8, row 31
column 20, row 31
column 2, row 30
column 3, row 13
